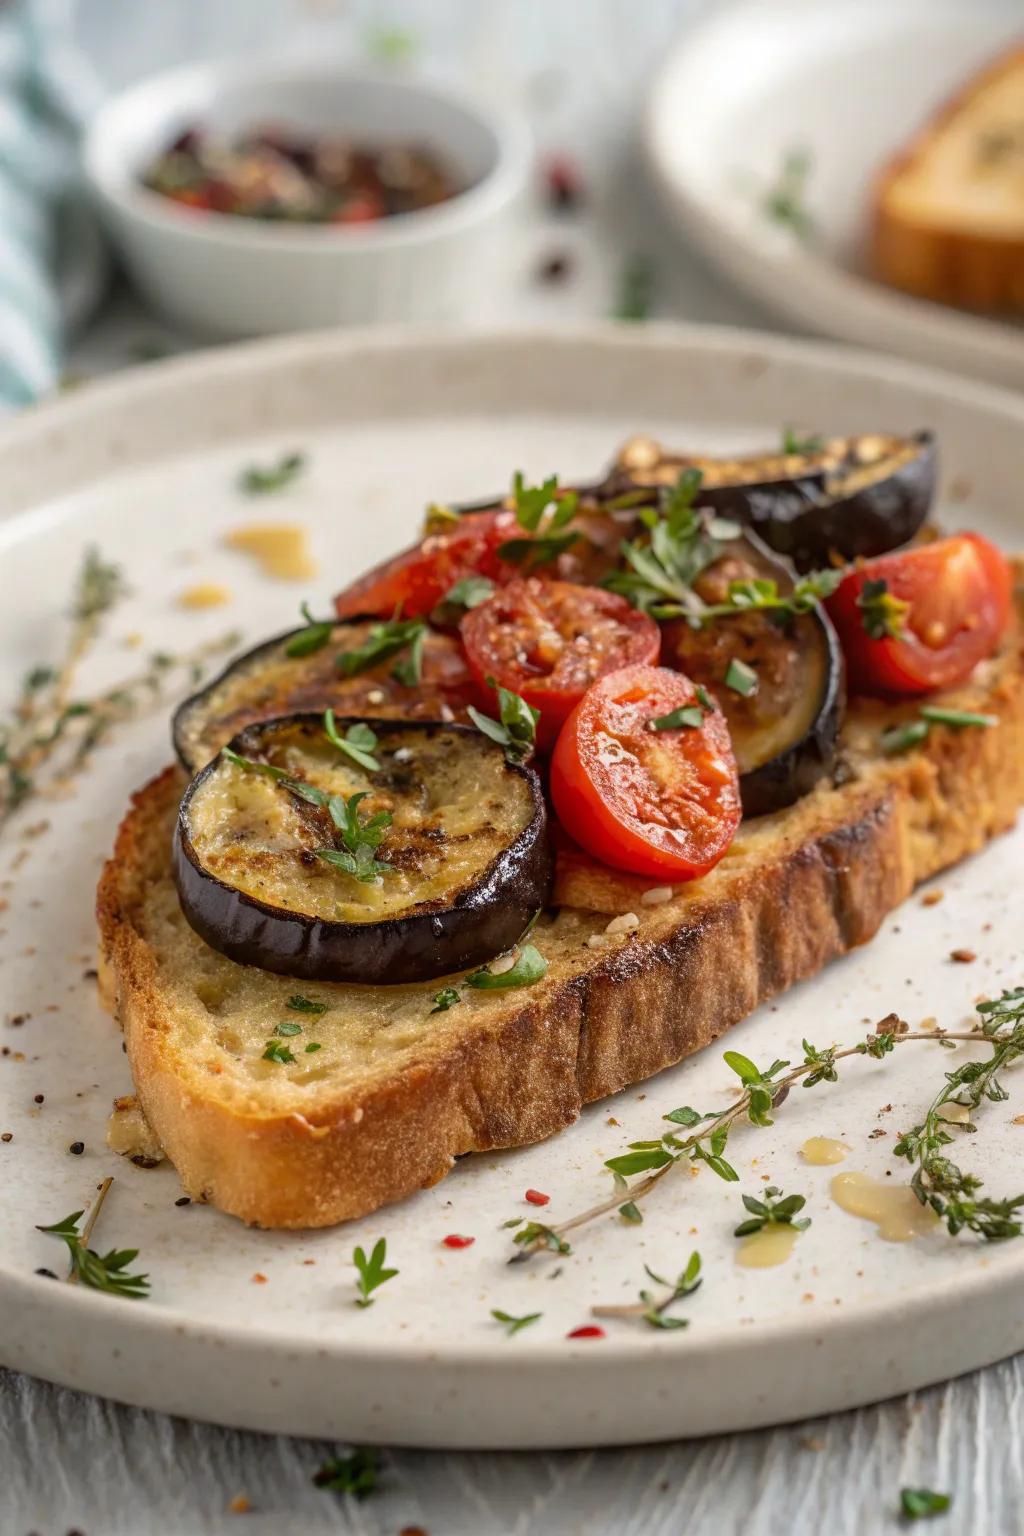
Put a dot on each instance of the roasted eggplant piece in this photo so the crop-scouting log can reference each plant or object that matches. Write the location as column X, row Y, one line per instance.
column 780, row 684
column 851, row 497
column 268, row 682
column 292, row 856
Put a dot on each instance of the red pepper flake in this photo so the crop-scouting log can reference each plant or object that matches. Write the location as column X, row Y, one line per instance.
column 535, row 1197
column 588, row 1331
column 259, row 1279
column 456, row 1240
column 563, row 182
column 963, row 956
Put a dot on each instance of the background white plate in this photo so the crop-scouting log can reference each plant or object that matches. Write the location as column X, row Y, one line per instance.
column 146, row 466
column 850, row 80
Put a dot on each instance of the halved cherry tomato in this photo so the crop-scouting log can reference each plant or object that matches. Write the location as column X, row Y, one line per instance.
column 415, row 581
column 549, row 640
column 654, row 802
column 958, row 591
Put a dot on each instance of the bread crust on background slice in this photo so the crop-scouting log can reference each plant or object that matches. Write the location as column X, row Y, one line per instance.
column 396, row 1093
column 947, row 214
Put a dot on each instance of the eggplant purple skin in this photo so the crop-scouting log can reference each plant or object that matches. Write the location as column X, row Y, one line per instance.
column 482, row 922
column 799, row 519
column 793, row 773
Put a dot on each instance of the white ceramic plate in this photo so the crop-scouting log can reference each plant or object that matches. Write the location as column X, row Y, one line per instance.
column 849, row 80
column 145, row 466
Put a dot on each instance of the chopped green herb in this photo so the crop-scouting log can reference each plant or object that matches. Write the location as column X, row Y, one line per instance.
column 100, row 1272
column 288, row 1028
column 900, row 738
column 741, row 678
column 923, row 1503
column 297, row 787
column 762, row 595
column 770, row 1212
column 705, row 700
column 884, row 615
column 530, row 966
column 357, row 743
column 383, row 642
column 516, row 730
column 513, row 1324
column 314, row 637
column 631, row 1213
column 299, row 1004
column 534, row 506
column 314, row 1045
column 792, row 442
column 636, row 290
column 445, row 999
column 372, row 1271
column 681, row 543
column 458, row 600
column 38, row 678
column 690, row 716
column 958, row 719
column 100, row 584
column 275, row 1051
column 783, row 200
column 533, row 1234
column 355, row 1473
column 259, row 480
column 655, row 1312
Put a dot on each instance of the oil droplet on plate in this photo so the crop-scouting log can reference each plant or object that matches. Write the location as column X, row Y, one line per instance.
column 280, row 549
column 763, row 1250
column 894, row 1208
column 206, row 595
column 822, row 1151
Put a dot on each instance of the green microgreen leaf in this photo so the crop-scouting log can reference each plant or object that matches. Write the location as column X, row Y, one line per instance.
column 358, row 742
column 741, row 678
column 314, row 637
column 314, row 1045
column 445, row 999
column 383, row 642
column 792, row 442
column 535, row 1234
column 468, row 593
column 772, row 1212
column 288, row 1028
column 372, row 1271
column 515, row 730
column 631, row 1213
column 259, row 480
column 687, row 716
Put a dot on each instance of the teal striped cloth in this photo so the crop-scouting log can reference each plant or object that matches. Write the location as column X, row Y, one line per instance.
column 45, row 92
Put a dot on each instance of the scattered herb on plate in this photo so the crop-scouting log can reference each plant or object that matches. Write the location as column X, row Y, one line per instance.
column 262, row 479
column 372, row 1271
column 100, row 1272
column 355, row 1473
column 771, row 1212
column 923, row 1503
column 653, row 1310
column 511, row 1324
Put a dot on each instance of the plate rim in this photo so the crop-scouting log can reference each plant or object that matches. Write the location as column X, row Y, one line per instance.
column 162, row 1329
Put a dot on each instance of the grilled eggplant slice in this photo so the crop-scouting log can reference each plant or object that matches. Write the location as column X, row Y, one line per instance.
column 267, row 682
column 466, row 850
column 781, row 686
column 850, row 497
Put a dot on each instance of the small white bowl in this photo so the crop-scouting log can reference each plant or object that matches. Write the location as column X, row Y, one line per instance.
column 227, row 275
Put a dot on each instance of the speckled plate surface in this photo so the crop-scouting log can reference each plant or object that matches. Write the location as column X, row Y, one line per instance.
column 145, row 467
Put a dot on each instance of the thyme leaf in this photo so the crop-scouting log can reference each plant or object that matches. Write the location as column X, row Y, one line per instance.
column 372, row 1271
column 262, row 479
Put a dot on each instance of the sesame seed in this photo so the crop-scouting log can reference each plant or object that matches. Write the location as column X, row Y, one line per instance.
column 657, row 895
column 624, row 923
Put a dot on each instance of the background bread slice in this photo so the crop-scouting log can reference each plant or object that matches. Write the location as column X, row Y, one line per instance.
column 397, row 1093
column 948, row 209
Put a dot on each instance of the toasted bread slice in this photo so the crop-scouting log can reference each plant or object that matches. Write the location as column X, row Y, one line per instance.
column 396, row 1093
column 948, row 209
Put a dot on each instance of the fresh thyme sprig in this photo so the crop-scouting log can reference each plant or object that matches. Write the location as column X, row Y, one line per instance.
column 937, row 1181
column 681, row 542
column 372, row 1271
column 47, row 724
column 653, row 1310
column 512, row 1325
column 709, row 1131
column 362, row 836
column 761, row 594
column 100, row 1272
column 261, row 479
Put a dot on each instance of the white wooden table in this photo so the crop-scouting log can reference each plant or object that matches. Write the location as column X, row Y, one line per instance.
column 70, row 1463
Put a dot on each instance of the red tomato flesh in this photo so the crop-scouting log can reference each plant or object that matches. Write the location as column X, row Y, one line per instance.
column 414, row 582
column 958, row 591
column 661, row 803
column 550, row 640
